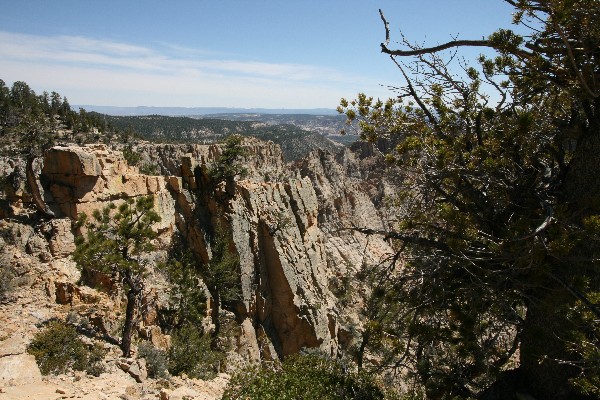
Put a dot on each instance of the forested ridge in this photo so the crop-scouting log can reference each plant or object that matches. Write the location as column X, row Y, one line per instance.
column 29, row 119
column 295, row 142
column 26, row 117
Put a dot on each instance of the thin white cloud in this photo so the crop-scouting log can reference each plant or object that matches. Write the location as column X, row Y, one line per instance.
column 93, row 71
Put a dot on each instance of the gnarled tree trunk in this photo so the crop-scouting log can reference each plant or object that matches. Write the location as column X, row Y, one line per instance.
column 132, row 300
column 35, row 189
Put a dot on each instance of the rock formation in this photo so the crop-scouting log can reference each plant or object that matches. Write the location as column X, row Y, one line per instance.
column 288, row 225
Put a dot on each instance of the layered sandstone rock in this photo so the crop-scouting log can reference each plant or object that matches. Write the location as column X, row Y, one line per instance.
column 282, row 260
column 290, row 226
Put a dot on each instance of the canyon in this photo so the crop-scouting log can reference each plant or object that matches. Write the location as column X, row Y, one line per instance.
column 290, row 224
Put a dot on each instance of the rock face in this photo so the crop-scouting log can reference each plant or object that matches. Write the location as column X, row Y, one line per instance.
column 82, row 179
column 282, row 260
column 289, row 225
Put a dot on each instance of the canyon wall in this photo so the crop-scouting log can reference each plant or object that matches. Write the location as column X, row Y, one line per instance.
column 290, row 225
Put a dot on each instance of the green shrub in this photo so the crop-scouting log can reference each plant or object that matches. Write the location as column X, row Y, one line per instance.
column 149, row 169
column 302, row 377
column 156, row 360
column 58, row 347
column 191, row 353
column 7, row 271
column 131, row 156
column 227, row 166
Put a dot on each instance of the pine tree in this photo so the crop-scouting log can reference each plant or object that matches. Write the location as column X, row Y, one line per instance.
column 499, row 223
column 117, row 239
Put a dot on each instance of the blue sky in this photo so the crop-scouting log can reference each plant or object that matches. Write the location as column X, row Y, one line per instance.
column 223, row 53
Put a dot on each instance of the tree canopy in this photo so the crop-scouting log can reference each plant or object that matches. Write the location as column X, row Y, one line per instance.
column 115, row 245
column 499, row 211
column 34, row 120
column 228, row 166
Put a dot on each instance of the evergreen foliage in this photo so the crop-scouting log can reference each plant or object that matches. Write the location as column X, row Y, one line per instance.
column 58, row 348
column 301, row 377
column 192, row 353
column 187, row 297
column 222, row 273
column 228, row 165
column 133, row 158
column 222, row 278
column 497, row 234
column 117, row 239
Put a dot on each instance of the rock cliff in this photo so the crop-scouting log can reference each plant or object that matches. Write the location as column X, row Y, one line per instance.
column 288, row 224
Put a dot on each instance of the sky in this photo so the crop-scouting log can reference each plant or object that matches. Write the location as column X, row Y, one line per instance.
column 224, row 53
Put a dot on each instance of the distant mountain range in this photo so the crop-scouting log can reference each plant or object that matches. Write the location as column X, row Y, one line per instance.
column 195, row 111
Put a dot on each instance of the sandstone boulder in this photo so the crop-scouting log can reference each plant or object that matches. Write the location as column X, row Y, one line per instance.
column 19, row 369
column 65, row 163
column 135, row 368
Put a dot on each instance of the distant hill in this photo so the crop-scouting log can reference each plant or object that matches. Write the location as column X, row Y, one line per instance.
column 323, row 124
column 55, row 121
column 323, row 121
column 192, row 111
column 295, row 142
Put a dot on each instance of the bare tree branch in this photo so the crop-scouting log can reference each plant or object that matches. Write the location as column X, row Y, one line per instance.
column 516, row 5
column 405, row 238
column 435, row 49
column 417, row 98
column 386, row 26
column 577, row 294
column 427, row 50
